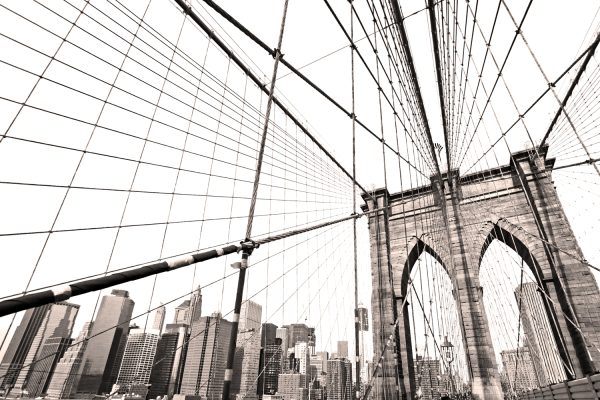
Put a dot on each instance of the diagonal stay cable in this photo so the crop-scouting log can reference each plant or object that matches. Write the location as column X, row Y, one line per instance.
column 299, row 74
column 188, row 10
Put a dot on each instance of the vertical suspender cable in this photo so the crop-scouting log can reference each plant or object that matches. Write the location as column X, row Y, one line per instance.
column 246, row 253
column 356, row 315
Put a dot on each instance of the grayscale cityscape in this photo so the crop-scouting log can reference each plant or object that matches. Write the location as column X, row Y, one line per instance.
column 299, row 200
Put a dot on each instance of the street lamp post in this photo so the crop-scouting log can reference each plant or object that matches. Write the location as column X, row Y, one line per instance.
column 448, row 352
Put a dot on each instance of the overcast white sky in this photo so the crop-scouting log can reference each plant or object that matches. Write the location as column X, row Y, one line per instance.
column 312, row 278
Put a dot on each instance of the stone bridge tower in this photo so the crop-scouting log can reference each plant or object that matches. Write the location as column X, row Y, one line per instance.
column 455, row 219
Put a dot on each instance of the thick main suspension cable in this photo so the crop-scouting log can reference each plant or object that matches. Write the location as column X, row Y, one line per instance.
column 65, row 292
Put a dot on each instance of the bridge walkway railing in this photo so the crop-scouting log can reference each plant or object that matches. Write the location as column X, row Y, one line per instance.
column 578, row 389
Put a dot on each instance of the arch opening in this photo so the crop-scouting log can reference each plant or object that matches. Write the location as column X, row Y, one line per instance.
column 437, row 345
column 523, row 328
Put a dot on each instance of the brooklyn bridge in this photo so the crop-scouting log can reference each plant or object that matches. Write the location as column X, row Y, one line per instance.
column 299, row 200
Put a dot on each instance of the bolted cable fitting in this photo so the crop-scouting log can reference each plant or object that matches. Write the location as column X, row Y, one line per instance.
column 248, row 246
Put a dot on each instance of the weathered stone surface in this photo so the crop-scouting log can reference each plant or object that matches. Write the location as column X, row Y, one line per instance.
column 516, row 204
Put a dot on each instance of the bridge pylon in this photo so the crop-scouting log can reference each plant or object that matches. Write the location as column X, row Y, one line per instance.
column 455, row 219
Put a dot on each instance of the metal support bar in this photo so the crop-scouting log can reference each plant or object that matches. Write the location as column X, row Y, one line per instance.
column 246, row 254
column 67, row 291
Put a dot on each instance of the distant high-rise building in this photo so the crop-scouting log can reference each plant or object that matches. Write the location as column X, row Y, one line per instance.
column 206, row 359
column 159, row 319
column 293, row 386
column 169, row 360
column 363, row 318
column 519, row 369
column 58, row 323
column 67, row 372
column 339, row 379
column 19, row 346
column 134, row 374
column 268, row 333
column 538, row 333
column 319, row 362
column 300, row 333
column 427, row 371
column 342, row 348
column 195, row 309
column 283, row 334
column 270, row 368
column 43, row 369
column 302, row 354
column 108, row 337
column 181, row 313
column 247, row 352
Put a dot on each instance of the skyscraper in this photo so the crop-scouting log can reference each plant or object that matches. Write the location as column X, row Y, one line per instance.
column 283, row 334
column 195, row 309
column 206, row 358
column 339, row 379
column 342, row 348
column 300, row 333
column 268, row 337
column 136, row 365
column 104, row 351
column 181, row 313
column 66, row 376
column 293, row 386
column 58, row 323
column 169, row 360
column 302, row 353
column 19, row 346
column 159, row 319
column 41, row 372
column 270, row 368
column 247, row 352
column 268, row 333
column 427, row 371
column 538, row 333
column 319, row 362
column 519, row 369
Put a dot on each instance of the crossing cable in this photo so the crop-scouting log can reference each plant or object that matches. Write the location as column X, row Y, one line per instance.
column 462, row 100
column 374, row 78
column 561, row 105
column 438, row 72
column 489, row 97
column 203, row 287
column 356, row 41
column 158, row 37
column 115, row 130
column 189, row 11
column 531, row 106
column 65, row 292
column 582, row 68
column 388, row 76
column 357, row 326
column 125, row 91
column 388, row 344
column 243, row 265
column 296, row 71
column 404, row 44
column 579, row 106
column 488, row 42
